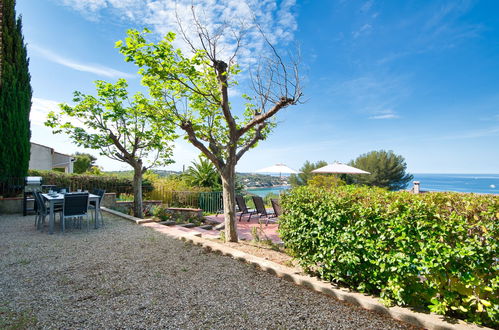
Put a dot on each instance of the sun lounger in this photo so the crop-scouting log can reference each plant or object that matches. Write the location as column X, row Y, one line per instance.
column 277, row 207
column 241, row 205
column 261, row 210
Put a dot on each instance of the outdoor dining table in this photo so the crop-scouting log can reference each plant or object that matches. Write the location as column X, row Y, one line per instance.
column 59, row 199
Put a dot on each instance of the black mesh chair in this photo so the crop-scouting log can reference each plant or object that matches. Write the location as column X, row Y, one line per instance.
column 93, row 204
column 261, row 210
column 42, row 211
column 241, row 205
column 75, row 207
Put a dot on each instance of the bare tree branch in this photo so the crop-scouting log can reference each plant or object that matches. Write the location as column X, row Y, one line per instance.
column 258, row 136
column 187, row 127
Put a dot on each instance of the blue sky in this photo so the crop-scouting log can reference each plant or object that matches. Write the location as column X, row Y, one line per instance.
column 420, row 78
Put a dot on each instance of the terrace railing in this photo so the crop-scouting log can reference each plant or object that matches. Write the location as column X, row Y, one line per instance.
column 207, row 201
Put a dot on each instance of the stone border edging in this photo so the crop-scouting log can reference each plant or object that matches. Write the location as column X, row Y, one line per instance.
column 428, row 321
column 126, row 216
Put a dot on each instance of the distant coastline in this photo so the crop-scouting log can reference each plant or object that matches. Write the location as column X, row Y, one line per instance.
column 464, row 183
column 269, row 187
column 469, row 183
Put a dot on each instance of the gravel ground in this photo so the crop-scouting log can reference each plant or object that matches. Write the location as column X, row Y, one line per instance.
column 127, row 276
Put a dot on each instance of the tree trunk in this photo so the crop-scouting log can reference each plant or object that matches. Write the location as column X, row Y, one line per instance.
column 229, row 199
column 137, row 193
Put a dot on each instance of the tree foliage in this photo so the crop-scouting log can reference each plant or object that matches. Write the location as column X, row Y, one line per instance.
column 15, row 95
column 387, row 169
column 119, row 127
column 194, row 90
column 203, row 174
column 83, row 162
column 325, row 181
column 302, row 178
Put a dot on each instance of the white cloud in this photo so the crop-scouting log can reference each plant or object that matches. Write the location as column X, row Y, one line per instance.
column 366, row 6
column 385, row 116
column 474, row 134
column 276, row 18
column 85, row 67
column 364, row 30
column 86, row 5
column 40, row 108
column 377, row 95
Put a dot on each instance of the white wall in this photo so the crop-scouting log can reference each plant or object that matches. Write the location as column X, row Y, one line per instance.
column 62, row 161
column 44, row 158
column 40, row 157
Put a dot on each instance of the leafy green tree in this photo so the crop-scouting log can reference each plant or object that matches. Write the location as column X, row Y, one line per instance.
column 203, row 174
column 119, row 127
column 387, row 169
column 83, row 162
column 194, row 90
column 301, row 179
column 15, row 95
column 325, row 181
column 95, row 170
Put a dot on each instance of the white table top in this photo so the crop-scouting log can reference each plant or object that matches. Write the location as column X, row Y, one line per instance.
column 61, row 197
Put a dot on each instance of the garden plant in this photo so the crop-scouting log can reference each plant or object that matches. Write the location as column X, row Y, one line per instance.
column 437, row 251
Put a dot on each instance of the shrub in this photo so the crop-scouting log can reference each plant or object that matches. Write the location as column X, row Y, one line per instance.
column 127, row 208
column 83, row 181
column 162, row 212
column 325, row 181
column 435, row 250
column 175, row 192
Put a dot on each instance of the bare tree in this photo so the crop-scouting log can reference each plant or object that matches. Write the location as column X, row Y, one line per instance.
column 195, row 91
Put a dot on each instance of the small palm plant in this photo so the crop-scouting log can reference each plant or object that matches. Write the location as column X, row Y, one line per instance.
column 203, row 174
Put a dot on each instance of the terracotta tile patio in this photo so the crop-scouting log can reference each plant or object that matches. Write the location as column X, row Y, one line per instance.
column 244, row 227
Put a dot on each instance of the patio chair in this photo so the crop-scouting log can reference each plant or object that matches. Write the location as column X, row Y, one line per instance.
column 75, row 206
column 92, row 204
column 277, row 207
column 241, row 205
column 41, row 210
column 261, row 210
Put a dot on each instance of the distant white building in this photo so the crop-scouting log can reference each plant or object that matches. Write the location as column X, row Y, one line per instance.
column 46, row 158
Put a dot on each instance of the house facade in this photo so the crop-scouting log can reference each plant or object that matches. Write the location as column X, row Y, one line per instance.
column 46, row 158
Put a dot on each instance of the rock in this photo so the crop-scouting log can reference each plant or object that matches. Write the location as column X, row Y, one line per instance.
column 206, row 227
column 168, row 223
column 220, row 226
column 187, row 225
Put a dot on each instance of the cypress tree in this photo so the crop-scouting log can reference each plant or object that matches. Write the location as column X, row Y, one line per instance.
column 15, row 95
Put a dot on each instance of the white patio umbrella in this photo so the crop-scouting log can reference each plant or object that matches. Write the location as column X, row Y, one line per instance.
column 277, row 168
column 338, row 167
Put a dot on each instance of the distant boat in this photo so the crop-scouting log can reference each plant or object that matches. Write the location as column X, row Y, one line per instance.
column 492, row 186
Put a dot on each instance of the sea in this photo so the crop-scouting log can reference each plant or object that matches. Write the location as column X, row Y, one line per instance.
column 469, row 183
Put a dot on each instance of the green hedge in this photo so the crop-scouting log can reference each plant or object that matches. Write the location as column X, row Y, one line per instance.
column 84, row 181
column 437, row 251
